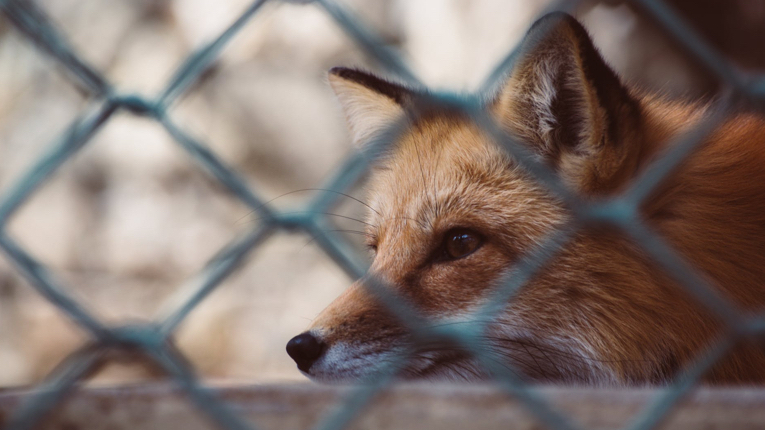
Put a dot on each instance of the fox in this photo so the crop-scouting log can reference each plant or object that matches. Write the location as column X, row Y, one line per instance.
column 451, row 213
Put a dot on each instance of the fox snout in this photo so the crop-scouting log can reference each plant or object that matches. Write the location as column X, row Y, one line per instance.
column 350, row 339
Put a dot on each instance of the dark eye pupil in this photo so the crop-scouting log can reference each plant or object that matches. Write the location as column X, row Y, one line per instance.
column 460, row 244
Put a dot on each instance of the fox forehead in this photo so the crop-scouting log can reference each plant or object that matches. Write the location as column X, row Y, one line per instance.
column 445, row 172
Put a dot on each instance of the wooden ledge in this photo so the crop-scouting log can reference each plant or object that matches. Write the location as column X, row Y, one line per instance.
column 162, row 406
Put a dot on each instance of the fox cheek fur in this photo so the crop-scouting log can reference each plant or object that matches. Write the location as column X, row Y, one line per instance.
column 453, row 213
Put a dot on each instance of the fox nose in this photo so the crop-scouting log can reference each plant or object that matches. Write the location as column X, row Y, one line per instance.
column 305, row 349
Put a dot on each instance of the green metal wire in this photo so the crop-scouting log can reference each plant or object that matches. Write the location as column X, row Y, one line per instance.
column 153, row 339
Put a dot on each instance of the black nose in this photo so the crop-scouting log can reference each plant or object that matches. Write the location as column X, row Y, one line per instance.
column 305, row 349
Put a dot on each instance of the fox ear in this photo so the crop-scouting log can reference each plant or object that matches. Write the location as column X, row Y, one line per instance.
column 563, row 99
column 369, row 103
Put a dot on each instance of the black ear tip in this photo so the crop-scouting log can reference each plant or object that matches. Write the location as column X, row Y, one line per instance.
column 395, row 92
column 355, row 75
column 556, row 19
column 341, row 71
column 558, row 16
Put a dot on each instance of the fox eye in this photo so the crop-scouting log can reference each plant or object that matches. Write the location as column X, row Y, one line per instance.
column 460, row 242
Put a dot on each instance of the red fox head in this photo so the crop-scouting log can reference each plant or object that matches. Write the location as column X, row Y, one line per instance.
column 452, row 213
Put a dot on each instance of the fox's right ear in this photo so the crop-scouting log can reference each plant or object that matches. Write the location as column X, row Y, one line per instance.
column 370, row 104
column 571, row 107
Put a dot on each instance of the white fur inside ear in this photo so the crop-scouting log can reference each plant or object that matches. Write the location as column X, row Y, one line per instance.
column 551, row 77
column 542, row 97
column 367, row 111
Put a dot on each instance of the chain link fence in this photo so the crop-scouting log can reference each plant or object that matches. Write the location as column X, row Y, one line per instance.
column 155, row 339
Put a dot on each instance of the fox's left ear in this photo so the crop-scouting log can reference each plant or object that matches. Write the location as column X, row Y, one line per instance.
column 564, row 100
column 370, row 104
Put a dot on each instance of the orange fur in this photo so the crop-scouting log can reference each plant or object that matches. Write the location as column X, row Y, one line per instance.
column 600, row 312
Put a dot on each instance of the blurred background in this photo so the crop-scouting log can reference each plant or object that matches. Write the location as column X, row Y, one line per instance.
column 131, row 216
